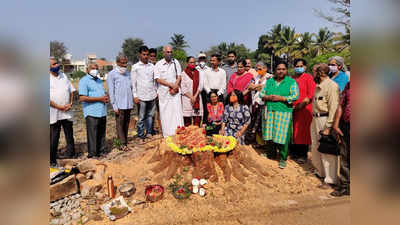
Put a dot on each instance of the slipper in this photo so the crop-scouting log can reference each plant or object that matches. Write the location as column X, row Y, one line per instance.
column 282, row 164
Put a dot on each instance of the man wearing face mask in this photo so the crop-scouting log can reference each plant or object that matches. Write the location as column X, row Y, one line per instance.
column 202, row 68
column 61, row 96
column 325, row 104
column 167, row 73
column 121, row 98
column 94, row 99
column 302, row 112
column 337, row 71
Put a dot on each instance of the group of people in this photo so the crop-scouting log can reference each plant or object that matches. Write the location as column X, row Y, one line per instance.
column 279, row 112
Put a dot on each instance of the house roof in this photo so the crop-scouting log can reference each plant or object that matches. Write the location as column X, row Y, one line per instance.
column 101, row 63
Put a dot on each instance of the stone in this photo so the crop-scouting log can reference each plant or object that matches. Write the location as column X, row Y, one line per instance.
column 55, row 221
column 90, row 187
column 84, row 219
column 55, row 213
column 99, row 174
column 64, row 188
column 80, row 178
column 67, row 162
column 76, row 216
column 89, row 175
column 87, row 165
column 99, row 195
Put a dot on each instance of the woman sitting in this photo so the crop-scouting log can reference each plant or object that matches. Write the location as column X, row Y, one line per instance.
column 215, row 111
column 236, row 117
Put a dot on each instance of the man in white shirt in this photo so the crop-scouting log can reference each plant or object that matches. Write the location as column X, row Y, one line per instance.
column 215, row 78
column 202, row 68
column 167, row 74
column 61, row 96
column 144, row 93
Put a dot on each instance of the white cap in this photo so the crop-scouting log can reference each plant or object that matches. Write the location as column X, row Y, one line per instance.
column 202, row 55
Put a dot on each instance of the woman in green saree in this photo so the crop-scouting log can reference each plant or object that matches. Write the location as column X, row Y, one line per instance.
column 279, row 93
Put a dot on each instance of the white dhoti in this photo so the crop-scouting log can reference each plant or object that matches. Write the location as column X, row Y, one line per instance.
column 326, row 164
column 170, row 113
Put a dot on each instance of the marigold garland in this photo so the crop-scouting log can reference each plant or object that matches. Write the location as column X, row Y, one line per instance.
column 229, row 140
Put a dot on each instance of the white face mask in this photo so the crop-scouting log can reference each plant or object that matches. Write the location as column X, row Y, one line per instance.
column 94, row 73
column 333, row 69
column 121, row 70
column 202, row 64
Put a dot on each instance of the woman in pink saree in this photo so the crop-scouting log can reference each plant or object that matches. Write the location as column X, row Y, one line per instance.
column 241, row 80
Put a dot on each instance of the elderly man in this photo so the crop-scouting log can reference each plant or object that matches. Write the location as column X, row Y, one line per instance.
column 167, row 74
column 144, row 93
column 94, row 99
column 121, row 98
column 325, row 103
column 61, row 96
column 337, row 71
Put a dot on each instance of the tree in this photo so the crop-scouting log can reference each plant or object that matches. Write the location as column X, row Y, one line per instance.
column 223, row 48
column 342, row 9
column 342, row 41
column 103, row 58
column 180, row 55
column 324, row 41
column 77, row 74
column 178, row 42
column 130, row 48
column 58, row 50
column 288, row 44
column 306, row 44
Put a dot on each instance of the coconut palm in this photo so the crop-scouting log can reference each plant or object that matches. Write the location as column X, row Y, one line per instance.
column 342, row 41
column 288, row 45
column 178, row 42
column 305, row 45
column 324, row 41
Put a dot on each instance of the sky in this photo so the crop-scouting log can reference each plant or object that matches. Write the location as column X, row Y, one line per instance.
column 99, row 27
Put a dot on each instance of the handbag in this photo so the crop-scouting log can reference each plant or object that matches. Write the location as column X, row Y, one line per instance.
column 328, row 145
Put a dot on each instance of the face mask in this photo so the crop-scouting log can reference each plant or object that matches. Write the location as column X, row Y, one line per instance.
column 55, row 69
column 191, row 66
column 299, row 70
column 121, row 70
column 168, row 57
column 94, row 73
column 202, row 64
column 262, row 72
column 233, row 99
column 333, row 69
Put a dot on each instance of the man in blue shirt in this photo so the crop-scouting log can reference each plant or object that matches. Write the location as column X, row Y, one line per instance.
column 121, row 98
column 94, row 99
column 337, row 71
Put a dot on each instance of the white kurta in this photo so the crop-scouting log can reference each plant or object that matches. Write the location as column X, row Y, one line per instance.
column 170, row 105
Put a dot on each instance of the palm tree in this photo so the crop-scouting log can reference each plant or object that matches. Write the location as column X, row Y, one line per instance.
column 178, row 42
column 342, row 41
column 305, row 45
column 288, row 45
column 324, row 41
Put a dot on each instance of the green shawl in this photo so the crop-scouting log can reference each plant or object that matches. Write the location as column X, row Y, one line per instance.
column 283, row 90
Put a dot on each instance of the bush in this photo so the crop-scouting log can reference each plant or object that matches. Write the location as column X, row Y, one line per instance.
column 77, row 74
